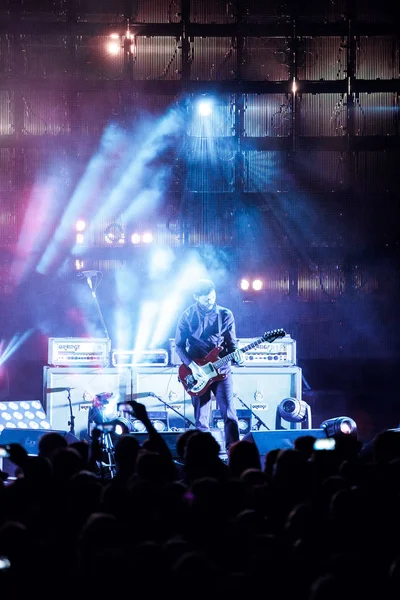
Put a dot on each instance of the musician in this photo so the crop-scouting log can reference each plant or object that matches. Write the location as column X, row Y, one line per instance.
column 200, row 328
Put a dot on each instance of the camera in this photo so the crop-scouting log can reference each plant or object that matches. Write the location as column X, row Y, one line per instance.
column 325, row 444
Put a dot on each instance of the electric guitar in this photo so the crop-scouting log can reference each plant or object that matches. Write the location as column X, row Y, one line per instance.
column 211, row 363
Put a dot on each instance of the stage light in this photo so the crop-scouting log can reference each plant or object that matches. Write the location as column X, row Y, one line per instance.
column 147, row 237
column 78, row 264
column 244, row 284
column 204, row 107
column 257, row 285
column 339, row 426
column 23, row 414
column 293, row 410
column 114, row 234
column 114, row 45
column 80, row 225
column 135, row 238
column 80, row 238
column 122, row 426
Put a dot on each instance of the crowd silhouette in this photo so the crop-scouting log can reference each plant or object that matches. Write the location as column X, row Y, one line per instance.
column 303, row 523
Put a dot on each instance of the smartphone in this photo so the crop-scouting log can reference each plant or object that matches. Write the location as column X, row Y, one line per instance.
column 325, row 444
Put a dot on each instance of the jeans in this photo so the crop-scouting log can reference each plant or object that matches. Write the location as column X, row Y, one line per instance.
column 223, row 392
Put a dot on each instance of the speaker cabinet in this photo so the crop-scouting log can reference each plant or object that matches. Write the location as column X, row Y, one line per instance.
column 78, row 386
column 260, row 388
column 164, row 384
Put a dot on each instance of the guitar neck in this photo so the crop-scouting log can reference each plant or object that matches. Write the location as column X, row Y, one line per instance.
column 222, row 361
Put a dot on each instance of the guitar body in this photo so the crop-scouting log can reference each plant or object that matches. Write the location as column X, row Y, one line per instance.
column 191, row 385
column 211, row 363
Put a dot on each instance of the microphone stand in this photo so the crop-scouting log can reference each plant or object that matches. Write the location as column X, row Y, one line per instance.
column 188, row 422
column 259, row 421
column 71, row 421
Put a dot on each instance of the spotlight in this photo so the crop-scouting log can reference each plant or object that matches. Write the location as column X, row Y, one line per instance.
column 122, row 425
column 147, row 237
column 339, row 426
column 80, row 225
column 293, row 411
column 135, row 239
column 114, row 234
column 244, row 284
column 204, row 107
column 114, row 45
column 257, row 285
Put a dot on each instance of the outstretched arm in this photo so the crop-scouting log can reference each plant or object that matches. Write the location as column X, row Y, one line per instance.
column 156, row 440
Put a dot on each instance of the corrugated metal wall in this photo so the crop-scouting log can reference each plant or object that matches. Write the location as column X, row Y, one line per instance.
column 272, row 173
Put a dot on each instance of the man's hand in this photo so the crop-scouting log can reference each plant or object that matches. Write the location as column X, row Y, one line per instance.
column 18, row 454
column 239, row 357
column 197, row 371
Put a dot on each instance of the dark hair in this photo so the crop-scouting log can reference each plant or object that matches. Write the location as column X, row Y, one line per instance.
column 203, row 287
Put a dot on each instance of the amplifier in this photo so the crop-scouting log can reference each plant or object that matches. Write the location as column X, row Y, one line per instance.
column 146, row 358
column 79, row 352
column 282, row 352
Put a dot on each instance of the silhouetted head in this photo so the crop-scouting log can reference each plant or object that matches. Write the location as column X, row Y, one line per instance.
column 126, row 449
column 386, row 446
column 243, row 455
column 182, row 441
column 49, row 442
